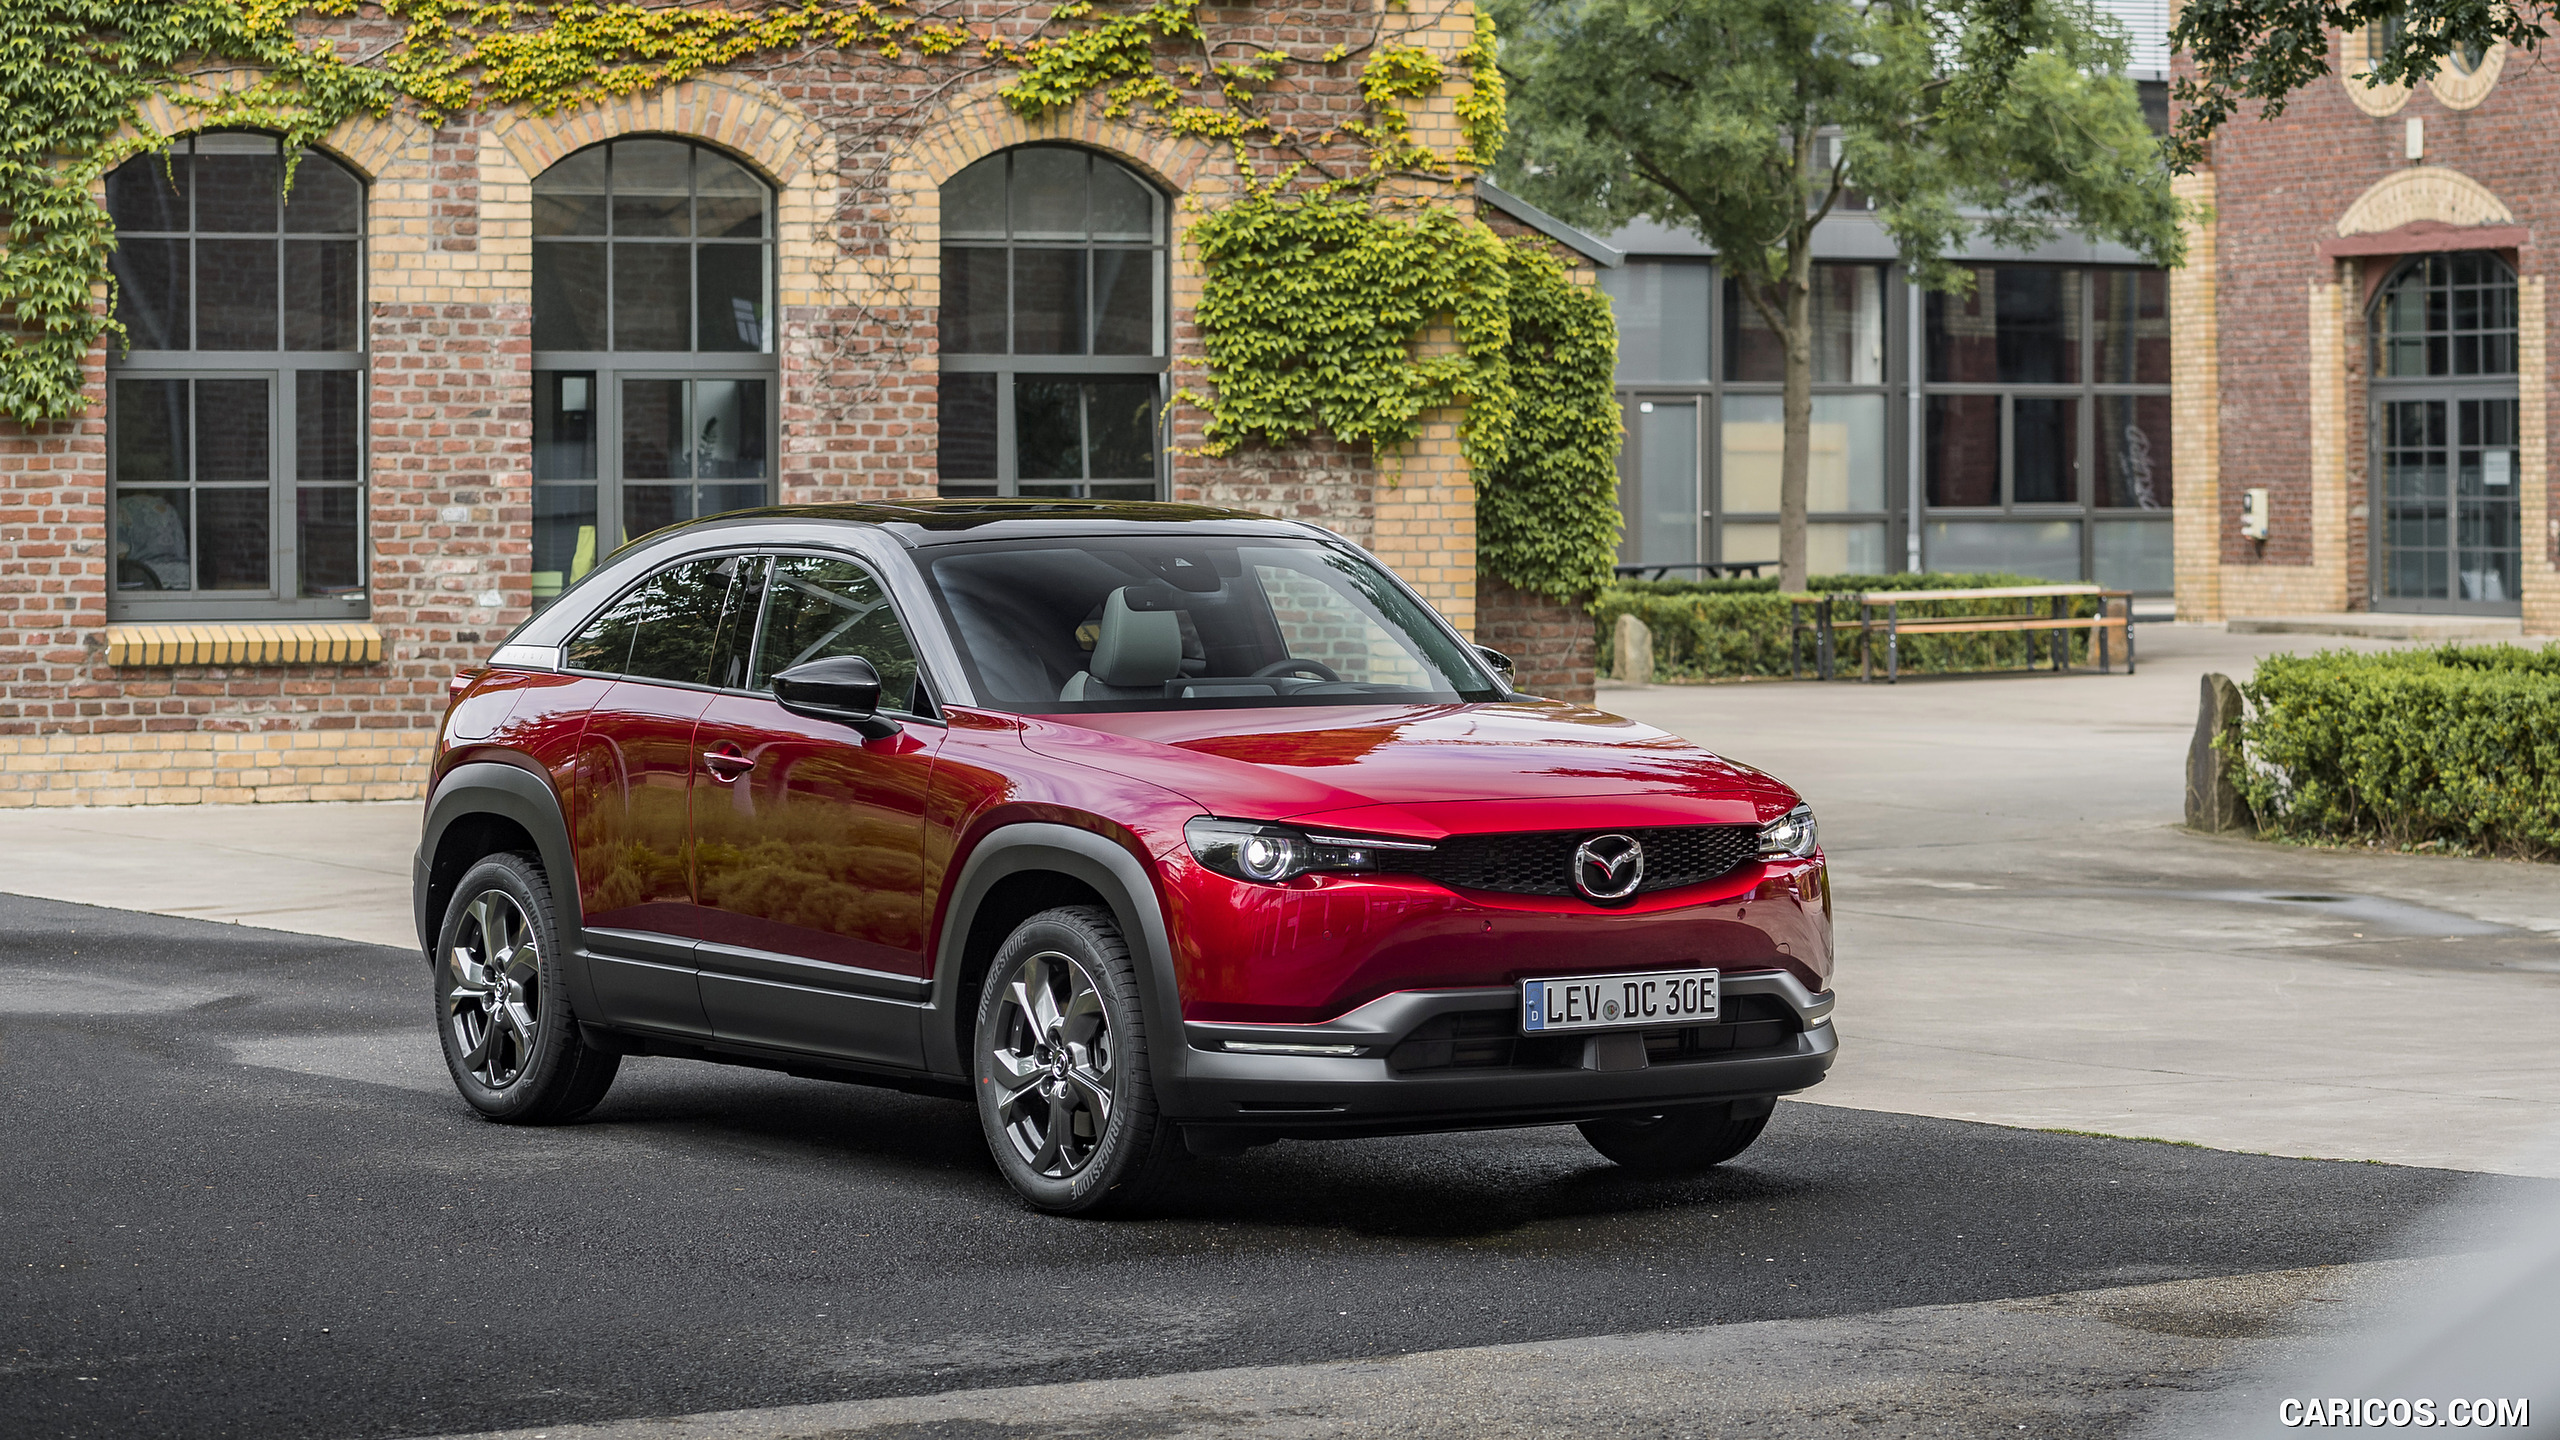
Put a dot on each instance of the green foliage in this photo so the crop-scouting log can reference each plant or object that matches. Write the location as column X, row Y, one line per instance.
column 1718, row 629
column 1315, row 314
column 1484, row 111
column 2264, row 50
column 2455, row 748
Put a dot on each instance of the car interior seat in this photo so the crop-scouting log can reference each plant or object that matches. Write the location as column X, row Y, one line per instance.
column 1134, row 654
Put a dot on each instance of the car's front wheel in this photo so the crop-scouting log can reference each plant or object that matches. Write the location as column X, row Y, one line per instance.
column 501, row 1008
column 1678, row 1141
column 1063, row 1088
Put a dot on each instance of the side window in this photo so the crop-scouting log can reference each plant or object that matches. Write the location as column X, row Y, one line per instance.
column 815, row 608
column 663, row 630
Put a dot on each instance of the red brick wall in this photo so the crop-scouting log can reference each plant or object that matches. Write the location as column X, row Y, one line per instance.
column 1551, row 644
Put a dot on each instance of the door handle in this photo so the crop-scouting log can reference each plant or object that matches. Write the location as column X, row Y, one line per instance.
column 726, row 765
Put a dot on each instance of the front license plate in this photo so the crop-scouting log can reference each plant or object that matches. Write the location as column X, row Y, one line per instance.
column 1619, row 1002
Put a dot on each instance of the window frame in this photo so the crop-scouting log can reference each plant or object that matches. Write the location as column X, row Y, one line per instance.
column 609, row 368
column 2450, row 389
column 1010, row 364
column 282, row 599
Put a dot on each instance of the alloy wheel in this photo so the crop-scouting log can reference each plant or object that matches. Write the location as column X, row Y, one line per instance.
column 493, row 1006
column 1051, row 1062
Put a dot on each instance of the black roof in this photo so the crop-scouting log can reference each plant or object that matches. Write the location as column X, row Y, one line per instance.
column 927, row 522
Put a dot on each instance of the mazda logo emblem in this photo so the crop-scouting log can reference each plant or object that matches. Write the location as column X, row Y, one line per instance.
column 1608, row 867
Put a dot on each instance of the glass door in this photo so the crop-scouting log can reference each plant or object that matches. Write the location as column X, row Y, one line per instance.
column 2449, row 536
column 1660, row 496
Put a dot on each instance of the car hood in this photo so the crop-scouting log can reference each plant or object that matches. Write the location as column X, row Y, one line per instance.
column 1419, row 769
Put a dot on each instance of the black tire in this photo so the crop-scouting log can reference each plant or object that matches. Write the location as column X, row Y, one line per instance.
column 1677, row 1142
column 1064, row 1091
column 489, row 994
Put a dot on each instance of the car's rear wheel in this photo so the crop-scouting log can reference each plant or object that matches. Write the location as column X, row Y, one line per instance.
column 1677, row 1141
column 1064, row 1093
column 502, row 1010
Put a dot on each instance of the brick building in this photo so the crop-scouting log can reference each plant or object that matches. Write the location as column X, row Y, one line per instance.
column 365, row 426
column 2361, row 341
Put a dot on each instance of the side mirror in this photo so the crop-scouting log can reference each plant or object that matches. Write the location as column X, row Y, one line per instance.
column 1500, row 662
column 842, row 688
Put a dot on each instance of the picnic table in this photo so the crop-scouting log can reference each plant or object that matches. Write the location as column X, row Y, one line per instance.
column 1819, row 618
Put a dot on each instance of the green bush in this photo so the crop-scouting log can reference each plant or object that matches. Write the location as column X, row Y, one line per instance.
column 2455, row 748
column 1713, row 629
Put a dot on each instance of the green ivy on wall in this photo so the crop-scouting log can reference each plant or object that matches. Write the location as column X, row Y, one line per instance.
column 1319, row 303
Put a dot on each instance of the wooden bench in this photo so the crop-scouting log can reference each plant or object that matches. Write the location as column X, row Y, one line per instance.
column 1825, row 622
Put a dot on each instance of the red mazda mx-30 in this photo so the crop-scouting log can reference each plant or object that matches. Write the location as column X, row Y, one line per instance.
column 1155, row 829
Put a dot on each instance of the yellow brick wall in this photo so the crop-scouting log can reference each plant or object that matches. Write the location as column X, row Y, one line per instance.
column 2195, row 410
column 213, row 767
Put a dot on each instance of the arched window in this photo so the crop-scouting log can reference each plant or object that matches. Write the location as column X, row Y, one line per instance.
column 1053, row 328
column 653, row 357
column 2447, row 529
column 235, row 418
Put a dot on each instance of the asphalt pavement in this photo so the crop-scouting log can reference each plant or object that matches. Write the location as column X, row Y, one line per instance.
column 242, row 1200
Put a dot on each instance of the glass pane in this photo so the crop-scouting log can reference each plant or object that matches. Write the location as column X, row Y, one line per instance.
column 1662, row 322
column 2487, row 523
column 652, row 180
column 2132, row 326
column 2133, row 452
column 1829, row 548
column 1124, row 206
column 321, row 295
column 821, row 608
column 564, row 537
column 1048, row 302
column 152, row 300
column 1124, row 302
column 654, row 507
column 569, row 198
column 729, row 430
column 1048, row 191
column 721, row 499
column 654, row 440
column 2021, row 324
column 326, row 198
column 231, row 431
column 149, row 193
column 2044, row 549
column 1845, row 470
column 329, row 534
column 731, row 292
column 151, row 540
column 232, row 545
column 973, row 200
column 967, row 416
column 652, row 297
column 238, row 180
column 2046, row 446
column 1964, row 450
column 973, row 301
column 1048, row 436
column 564, row 426
column 235, row 294
column 728, row 198
column 151, row 432
column 2135, row 555
column 669, row 621
column 1848, row 330
column 328, row 425
column 568, row 297
column 1121, row 415
column 1662, row 511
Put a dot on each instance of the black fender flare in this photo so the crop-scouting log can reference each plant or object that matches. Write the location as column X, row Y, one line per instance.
column 1110, row 871
column 511, row 792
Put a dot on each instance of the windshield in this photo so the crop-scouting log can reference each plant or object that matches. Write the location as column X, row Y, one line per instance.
column 1176, row 622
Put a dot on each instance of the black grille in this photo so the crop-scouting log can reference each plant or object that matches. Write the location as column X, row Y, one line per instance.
column 1491, row 1039
column 1541, row 862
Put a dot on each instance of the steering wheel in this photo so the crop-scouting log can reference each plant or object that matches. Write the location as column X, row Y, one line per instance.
column 1317, row 668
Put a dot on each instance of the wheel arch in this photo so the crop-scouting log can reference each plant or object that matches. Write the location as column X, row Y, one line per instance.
column 1015, row 873
column 483, row 808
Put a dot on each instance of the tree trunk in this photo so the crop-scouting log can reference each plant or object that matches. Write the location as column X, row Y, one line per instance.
column 1795, row 460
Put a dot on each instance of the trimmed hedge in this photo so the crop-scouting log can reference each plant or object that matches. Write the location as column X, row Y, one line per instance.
column 1714, row 629
column 2456, row 748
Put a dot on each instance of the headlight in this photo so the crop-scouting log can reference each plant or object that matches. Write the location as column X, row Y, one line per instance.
column 1792, row 834
column 1270, row 854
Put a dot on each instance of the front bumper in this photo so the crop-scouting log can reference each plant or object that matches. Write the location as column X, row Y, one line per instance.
column 1381, row 1070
